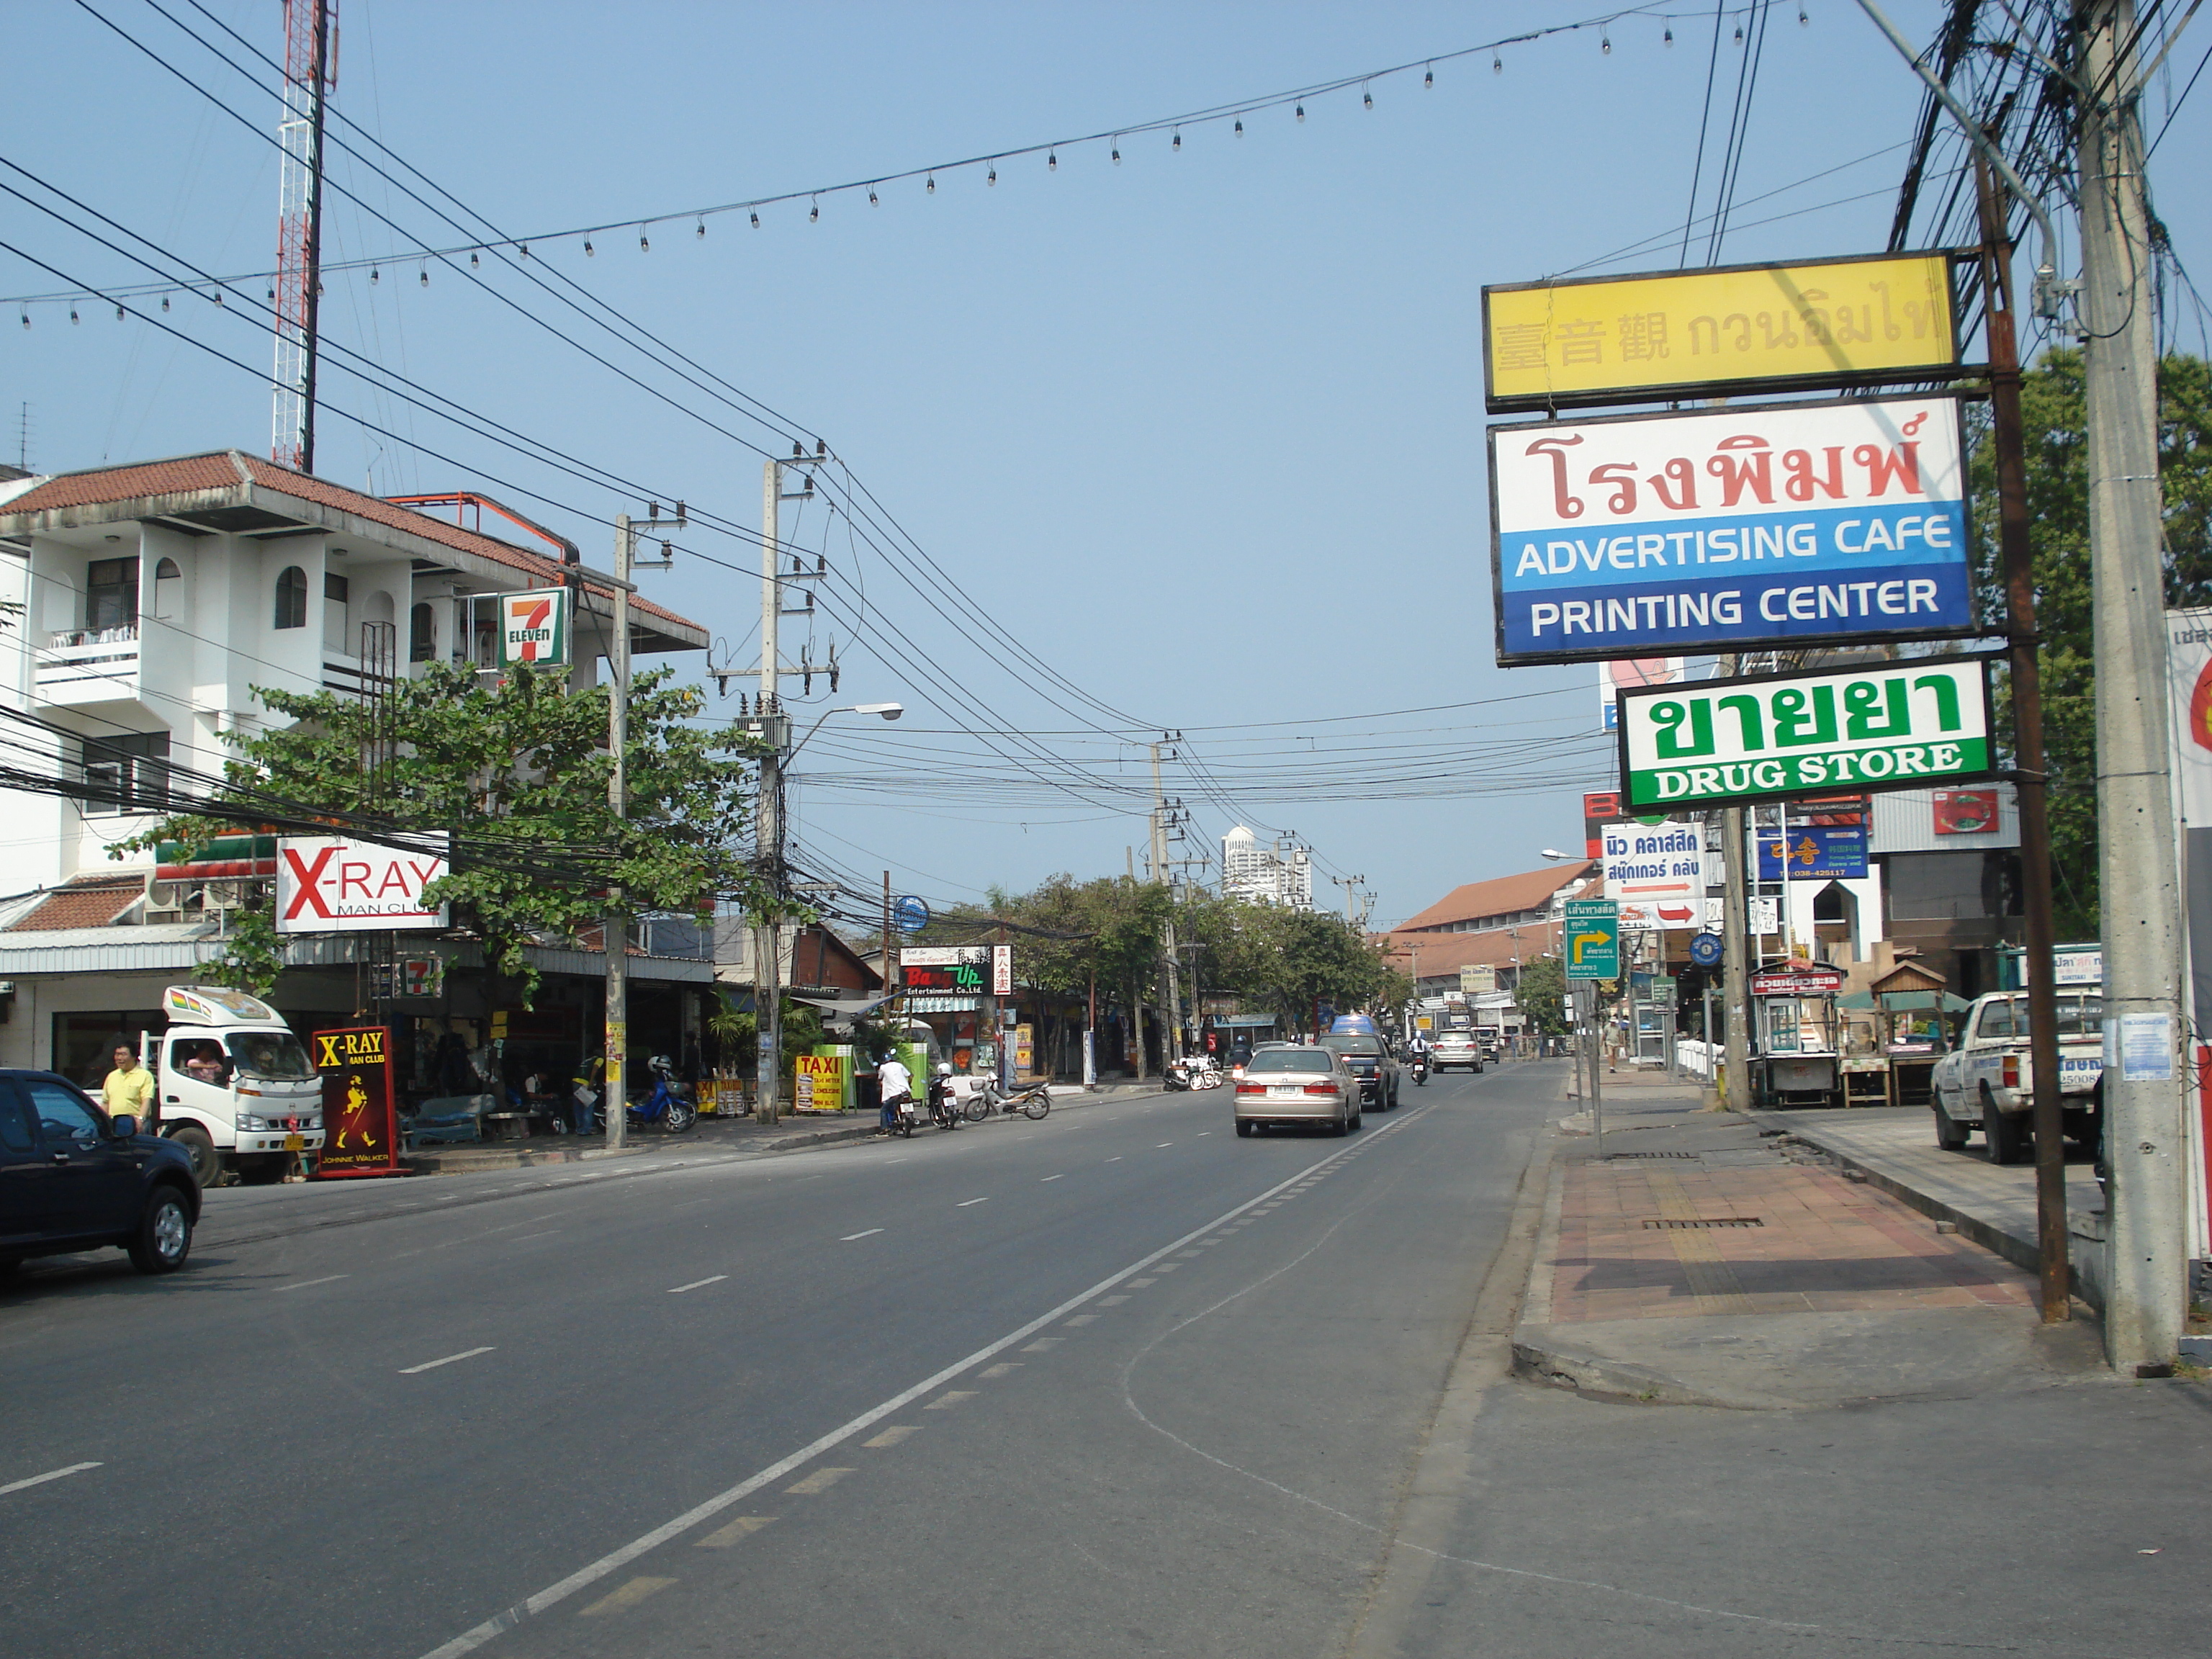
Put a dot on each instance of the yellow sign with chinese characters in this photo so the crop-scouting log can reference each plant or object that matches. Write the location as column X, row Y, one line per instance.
column 1837, row 323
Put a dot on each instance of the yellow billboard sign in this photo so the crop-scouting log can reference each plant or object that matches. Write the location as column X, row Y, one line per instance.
column 1829, row 323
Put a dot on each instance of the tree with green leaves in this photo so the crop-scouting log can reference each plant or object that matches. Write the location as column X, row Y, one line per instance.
column 2054, row 415
column 1541, row 994
column 516, row 773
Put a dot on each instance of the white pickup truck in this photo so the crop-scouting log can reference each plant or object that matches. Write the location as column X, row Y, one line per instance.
column 234, row 1086
column 1988, row 1081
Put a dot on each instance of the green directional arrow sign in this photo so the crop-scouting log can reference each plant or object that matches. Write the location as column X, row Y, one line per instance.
column 1592, row 938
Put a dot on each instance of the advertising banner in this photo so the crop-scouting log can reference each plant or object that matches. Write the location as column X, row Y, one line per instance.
column 360, row 1122
column 1478, row 979
column 1841, row 323
column 1798, row 982
column 1599, row 809
column 331, row 885
column 942, row 956
column 1002, row 971
column 1593, row 938
column 1815, row 852
column 818, row 1083
column 1647, row 864
column 534, row 628
column 1730, row 529
column 1771, row 737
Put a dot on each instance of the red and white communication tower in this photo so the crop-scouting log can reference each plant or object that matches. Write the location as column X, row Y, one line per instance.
column 310, row 74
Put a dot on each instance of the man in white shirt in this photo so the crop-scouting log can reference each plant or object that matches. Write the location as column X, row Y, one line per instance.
column 894, row 1083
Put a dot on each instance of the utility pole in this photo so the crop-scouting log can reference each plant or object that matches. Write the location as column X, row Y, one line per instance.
column 767, row 941
column 308, row 78
column 2140, row 888
column 1173, row 1038
column 887, row 932
column 614, row 925
column 1735, row 933
column 2030, row 781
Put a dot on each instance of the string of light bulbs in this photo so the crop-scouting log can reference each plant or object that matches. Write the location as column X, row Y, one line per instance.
column 1234, row 112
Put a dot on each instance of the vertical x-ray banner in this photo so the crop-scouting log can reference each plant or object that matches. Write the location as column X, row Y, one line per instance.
column 2188, row 666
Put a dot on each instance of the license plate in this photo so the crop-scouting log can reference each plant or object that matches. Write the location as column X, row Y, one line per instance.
column 1284, row 1089
column 294, row 1143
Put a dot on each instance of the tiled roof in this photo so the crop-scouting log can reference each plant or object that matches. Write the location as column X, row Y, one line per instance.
column 93, row 902
column 1503, row 896
column 1436, row 954
column 232, row 468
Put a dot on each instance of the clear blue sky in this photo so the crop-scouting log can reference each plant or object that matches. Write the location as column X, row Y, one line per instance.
column 1202, row 430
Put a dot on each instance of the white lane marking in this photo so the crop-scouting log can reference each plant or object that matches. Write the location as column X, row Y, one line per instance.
column 301, row 1285
column 525, row 1238
column 1164, row 1143
column 1202, row 1133
column 965, row 1202
column 41, row 1479
column 614, row 1560
column 1116, row 1158
column 697, row 1285
column 433, row 1364
column 1045, row 1178
column 849, row 1237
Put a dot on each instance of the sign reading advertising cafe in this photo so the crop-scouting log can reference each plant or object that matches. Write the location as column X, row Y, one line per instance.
column 1651, row 535
column 1768, row 737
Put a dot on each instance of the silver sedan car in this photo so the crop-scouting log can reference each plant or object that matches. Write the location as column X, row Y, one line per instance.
column 1283, row 1084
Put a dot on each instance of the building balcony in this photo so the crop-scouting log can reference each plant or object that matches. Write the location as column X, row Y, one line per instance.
column 83, row 666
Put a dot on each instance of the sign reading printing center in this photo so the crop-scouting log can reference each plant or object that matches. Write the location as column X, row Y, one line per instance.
column 1860, row 321
column 328, row 884
column 533, row 627
column 1766, row 737
column 1779, row 523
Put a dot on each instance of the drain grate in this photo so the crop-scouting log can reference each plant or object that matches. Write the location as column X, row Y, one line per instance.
column 1669, row 1224
column 1617, row 1157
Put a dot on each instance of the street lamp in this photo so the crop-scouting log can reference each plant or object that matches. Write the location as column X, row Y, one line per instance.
column 767, row 966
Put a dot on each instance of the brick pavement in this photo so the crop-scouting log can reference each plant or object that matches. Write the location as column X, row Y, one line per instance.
column 1822, row 1244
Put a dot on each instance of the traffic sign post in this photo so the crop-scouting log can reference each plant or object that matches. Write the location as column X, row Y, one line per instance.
column 1592, row 939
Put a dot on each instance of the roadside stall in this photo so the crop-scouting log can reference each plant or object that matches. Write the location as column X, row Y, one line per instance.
column 1894, row 1054
column 1800, row 1061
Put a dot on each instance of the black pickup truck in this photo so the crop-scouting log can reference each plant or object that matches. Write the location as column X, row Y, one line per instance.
column 72, row 1179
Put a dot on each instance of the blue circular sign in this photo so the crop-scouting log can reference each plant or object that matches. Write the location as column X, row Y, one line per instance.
column 909, row 915
column 1705, row 950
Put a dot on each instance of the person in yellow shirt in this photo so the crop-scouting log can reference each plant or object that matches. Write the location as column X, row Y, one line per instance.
column 129, row 1089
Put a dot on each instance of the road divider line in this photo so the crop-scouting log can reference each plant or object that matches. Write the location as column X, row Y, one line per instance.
column 450, row 1358
column 1001, row 1369
column 870, row 1233
column 892, row 1435
column 616, row 1560
column 950, row 1398
column 965, row 1202
column 50, row 1474
column 820, row 1481
column 696, row 1284
column 301, row 1285
column 1054, row 1177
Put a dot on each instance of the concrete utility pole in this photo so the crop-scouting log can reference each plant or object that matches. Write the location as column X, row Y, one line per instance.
column 1172, row 1038
column 614, row 925
column 1736, row 936
column 2140, row 888
column 767, row 941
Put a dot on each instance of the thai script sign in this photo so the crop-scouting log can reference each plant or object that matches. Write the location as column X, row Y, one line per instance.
column 1798, row 982
column 944, row 955
column 1730, row 529
column 1646, row 863
column 533, row 627
column 1592, row 936
column 1814, row 851
column 329, row 885
column 1767, row 737
column 1834, row 323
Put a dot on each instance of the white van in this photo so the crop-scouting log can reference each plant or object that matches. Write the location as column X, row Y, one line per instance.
column 234, row 1087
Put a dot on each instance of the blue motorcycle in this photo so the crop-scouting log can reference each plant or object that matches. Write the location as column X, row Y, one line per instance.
column 664, row 1108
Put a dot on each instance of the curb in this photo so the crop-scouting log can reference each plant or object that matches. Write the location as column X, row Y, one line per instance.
column 2020, row 1252
column 1561, row 1366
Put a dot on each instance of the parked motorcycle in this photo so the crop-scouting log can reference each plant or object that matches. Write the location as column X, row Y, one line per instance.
column 664, row 1108
column 943, row 1110
column 1193, row 1071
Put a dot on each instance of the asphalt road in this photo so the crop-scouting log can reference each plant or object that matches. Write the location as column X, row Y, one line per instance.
column 1108, row 1383
column 1115, row 1383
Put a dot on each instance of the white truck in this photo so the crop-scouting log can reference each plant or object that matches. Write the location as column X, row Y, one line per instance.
column 1988, row 1081
column 233, row 1085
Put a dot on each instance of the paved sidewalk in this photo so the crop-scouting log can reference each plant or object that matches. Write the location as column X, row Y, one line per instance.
column 1991, row 1203
column 1703, row 1262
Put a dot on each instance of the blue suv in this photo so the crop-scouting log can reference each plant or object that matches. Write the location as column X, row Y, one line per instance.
column 73, row 1179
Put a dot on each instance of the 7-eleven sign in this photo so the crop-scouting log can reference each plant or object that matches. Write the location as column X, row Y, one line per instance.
column 533, row 627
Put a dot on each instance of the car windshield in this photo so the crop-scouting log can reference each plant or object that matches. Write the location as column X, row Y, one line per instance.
column 2080, row 1016
column 273, row 1056
column 1352, row 1045
column 1293, row 1060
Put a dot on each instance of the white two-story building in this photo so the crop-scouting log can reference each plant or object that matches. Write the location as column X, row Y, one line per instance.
column 153, row 598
